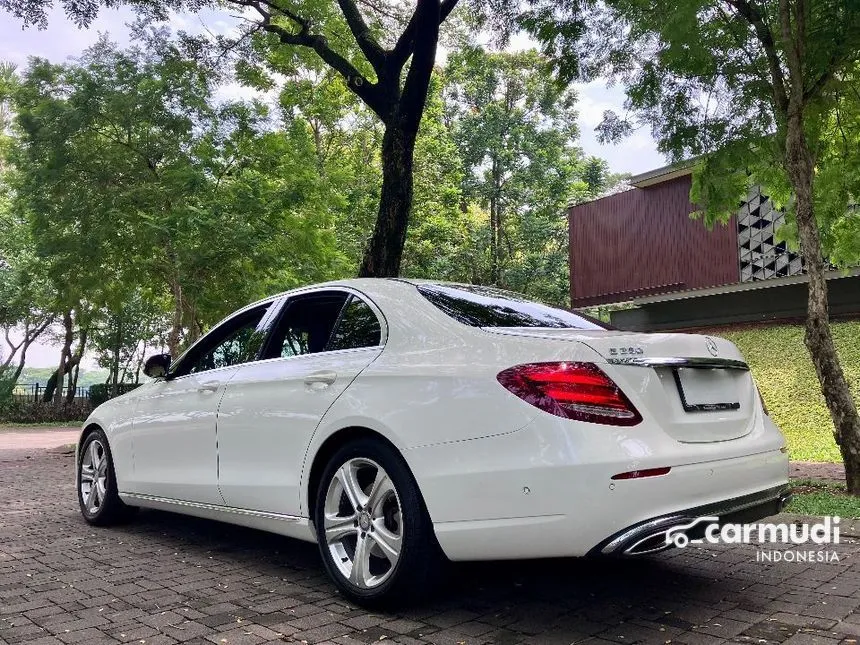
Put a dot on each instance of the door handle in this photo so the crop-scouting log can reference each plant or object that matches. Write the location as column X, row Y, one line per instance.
column 208, row 386
column 321, row 379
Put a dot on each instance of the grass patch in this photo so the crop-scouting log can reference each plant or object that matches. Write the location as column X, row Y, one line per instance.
column 783, row 371
column 11, row 427
column 813, row 497
column 825, row 503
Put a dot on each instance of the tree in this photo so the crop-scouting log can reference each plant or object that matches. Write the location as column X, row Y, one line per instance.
column 763, row 91
column 123, row 333
column 175, row 192
column 389, row 72
column 319, row 111
column 25, row 298
column 515, row 129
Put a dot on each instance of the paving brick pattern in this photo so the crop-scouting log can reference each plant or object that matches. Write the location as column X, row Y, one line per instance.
column 166, row 579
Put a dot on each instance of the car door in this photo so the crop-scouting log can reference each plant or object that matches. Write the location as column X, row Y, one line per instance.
column 271, row 408
column 173, row 435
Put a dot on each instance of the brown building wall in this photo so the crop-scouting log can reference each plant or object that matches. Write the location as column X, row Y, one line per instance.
column 642, row 241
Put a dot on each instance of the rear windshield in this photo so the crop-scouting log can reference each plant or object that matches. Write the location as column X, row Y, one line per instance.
column 487, row 307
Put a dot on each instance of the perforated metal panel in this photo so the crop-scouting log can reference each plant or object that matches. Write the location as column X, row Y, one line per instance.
column 760, row 255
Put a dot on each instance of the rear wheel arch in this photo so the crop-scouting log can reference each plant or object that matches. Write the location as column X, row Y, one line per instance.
column 327, row 450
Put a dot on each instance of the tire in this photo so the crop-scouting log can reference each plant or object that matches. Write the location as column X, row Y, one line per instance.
column 97, row 492
column 391, row 516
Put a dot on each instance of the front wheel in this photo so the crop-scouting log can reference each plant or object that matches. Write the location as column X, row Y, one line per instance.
column 374, row 533
column 97, row 492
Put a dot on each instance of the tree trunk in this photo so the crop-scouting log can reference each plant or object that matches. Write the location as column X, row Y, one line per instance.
column 22, row 358
column 176, row 328
column 65, row 355
column 401, row 112
column 115, row 363
column 385, row 249
column 72, row 390
column 818, row 338
column 74, row 366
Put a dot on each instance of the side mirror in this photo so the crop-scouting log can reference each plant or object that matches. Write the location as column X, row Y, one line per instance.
column 157, row 366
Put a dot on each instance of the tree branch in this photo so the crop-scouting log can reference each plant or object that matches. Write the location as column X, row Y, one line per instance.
column 369, row 47
column 752, row 15
column 405, row 45
column 356, row 82
column 426, row 20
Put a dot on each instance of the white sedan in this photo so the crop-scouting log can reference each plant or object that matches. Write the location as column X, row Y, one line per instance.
column 397, row 423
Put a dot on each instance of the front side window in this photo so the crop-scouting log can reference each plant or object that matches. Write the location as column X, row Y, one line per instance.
column 306, row 324
column 358, row 327
column 238, row 342
column 478, row 306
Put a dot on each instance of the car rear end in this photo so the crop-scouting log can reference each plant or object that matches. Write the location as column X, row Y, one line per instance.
column 697, row 441
column 632, row 435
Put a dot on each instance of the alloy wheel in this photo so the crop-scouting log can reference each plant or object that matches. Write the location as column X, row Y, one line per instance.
column 363, row 523
column 93, row 478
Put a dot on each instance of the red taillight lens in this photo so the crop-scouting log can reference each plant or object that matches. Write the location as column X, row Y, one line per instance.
column 580, row 391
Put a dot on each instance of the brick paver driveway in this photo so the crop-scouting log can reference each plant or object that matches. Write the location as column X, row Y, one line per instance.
column 165, row 578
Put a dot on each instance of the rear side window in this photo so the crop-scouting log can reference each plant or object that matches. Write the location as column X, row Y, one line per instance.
column 478, row 306
column 306, row 324
column 358, row 327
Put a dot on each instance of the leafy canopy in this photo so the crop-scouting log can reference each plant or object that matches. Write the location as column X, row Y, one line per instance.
column 710, row 79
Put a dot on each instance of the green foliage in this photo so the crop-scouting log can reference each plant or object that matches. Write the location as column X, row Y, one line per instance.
column 7, row 382
column 101, row 392
column 179, row 199
column 28, row 412
column 185, row 207
column 710, row 79
column 783, row 371
column 515, row 129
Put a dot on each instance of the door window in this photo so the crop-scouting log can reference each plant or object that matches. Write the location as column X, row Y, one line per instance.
column 306, row 324
column 234, row 342
column 358, row 327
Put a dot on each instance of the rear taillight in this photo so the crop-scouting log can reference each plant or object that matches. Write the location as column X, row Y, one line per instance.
column 580, row 391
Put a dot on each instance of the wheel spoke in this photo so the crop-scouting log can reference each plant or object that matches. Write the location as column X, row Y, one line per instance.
column 379, row 491
column 360, row 575
column 93, row 498
column 101, row 486
column 387, row 541
column 87, row 474
column 337, row 527
column 347, row 477
column 95, row 459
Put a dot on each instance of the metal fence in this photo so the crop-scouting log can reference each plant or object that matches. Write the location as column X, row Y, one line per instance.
column 36, row 391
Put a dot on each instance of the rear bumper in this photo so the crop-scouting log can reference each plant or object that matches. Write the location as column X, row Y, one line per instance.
column 547, row 490
column 649, row 536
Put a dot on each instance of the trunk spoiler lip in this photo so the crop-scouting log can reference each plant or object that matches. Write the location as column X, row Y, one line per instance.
column 693, row 362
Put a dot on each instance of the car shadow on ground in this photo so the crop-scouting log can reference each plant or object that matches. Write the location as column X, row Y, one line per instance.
column 571, row 594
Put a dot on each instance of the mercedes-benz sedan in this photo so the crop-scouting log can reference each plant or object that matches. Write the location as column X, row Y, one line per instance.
column 397, row 423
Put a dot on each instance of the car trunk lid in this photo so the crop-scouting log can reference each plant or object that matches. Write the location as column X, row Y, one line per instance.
column 696, row 387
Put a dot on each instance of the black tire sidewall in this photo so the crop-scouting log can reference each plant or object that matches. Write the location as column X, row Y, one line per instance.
column 111, row 506
column 418, row 543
